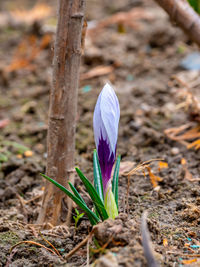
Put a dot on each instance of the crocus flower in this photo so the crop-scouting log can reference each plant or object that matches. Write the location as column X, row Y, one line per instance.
column 105, row 122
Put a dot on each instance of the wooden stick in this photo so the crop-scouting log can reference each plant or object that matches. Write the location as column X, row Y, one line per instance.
column 62, row 110
column 184, row 15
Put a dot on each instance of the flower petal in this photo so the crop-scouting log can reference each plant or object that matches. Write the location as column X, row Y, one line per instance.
column 110, row 113
column 106, row 161
column 105, row 122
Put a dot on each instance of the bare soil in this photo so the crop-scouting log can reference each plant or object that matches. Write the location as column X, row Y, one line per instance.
column 143, row 58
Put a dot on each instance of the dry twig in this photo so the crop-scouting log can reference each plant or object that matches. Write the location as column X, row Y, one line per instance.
column 49, row 243
column 184, row 15
column 32, row 243
column 129, row 18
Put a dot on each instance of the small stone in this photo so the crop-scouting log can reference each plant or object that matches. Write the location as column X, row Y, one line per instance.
column 175, row 151
column 20, row 217
column 145, row 107
column 106, row 261
column 135, row 125
column 39, row 148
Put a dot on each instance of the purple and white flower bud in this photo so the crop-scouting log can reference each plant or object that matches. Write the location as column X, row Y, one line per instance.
column 105, row 123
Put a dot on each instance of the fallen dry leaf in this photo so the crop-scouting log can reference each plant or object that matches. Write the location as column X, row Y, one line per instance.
column 183, row 161
column 154, row 179
column 195, row 144
column 184, row 133
column 189, row 261
column 27, row 51
column 162, row 165
column 165, row 242
column 188, row 90
column 125, row 167
column 38, row 12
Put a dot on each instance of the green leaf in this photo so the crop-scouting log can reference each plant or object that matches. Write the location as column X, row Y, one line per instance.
column 76, row 193
column 94, row 196
column 19, row 147
column 115, row 180
column 97, row 176
column 77, row 217
column 3, row 157
column 110, row 204
column 195, row 4
column 91, row 215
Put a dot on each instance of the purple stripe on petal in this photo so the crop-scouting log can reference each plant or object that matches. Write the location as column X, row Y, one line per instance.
column 106, row 161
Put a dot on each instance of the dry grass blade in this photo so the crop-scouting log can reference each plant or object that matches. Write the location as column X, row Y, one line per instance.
column 32, row 243
column 184, row 133
column 142, row 166
column 188, row 90
column 173, row 133
column 49, row 243
column 188, row 93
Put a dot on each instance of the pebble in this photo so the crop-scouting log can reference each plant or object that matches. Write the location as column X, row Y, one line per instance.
column 20, row 217
column 39, row 148
column 145, row 107
column 106, row 261
column 175, row 151
column 135, row 125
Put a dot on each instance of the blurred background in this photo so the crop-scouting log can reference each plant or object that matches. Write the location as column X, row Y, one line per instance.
column 154, row 68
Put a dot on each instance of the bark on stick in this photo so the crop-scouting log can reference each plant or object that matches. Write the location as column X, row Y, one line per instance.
column 63, row 108
column 184, row 15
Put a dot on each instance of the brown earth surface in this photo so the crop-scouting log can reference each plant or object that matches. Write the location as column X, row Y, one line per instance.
column 141, row 60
